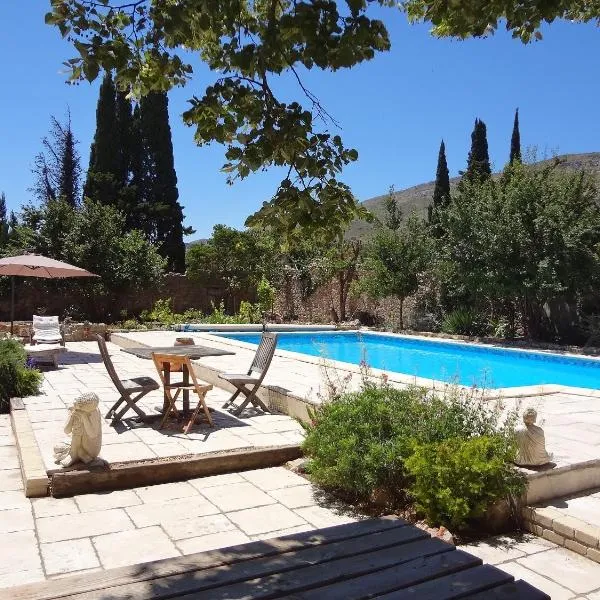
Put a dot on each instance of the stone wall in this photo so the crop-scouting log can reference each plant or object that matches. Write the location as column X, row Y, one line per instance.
column 70, row 297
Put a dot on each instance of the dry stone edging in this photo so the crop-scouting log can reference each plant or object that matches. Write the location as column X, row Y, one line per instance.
column 564, row 530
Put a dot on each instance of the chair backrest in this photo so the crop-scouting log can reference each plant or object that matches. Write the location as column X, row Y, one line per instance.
column 264, row 354
column 108, row 362
column 176, row 362
column 46, row 329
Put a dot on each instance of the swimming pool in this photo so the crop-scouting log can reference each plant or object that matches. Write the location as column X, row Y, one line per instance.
column 468, row 364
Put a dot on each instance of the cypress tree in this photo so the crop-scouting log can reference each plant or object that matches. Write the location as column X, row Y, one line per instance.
column 102, row 183
column 441, row 191
column 57, row 169
column 123, row 135
column 138, row 218
column 70, row 168
column 478, row 163
column 165, row 212
column 4, row 226
column 515, row 140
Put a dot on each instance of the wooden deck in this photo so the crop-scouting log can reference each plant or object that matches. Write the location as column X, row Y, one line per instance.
column 379, row 558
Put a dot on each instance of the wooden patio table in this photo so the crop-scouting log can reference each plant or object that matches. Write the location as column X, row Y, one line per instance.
column 194, row 352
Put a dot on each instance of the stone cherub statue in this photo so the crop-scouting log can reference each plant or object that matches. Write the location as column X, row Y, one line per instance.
column 85, row 426
column 531, row 442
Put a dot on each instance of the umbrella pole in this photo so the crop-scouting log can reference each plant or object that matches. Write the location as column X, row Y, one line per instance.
column 12, row 304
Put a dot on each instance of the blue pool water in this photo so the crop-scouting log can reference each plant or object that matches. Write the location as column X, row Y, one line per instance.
column 467, row 364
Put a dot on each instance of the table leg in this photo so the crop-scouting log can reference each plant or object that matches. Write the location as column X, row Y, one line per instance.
column 167, row 376
column 186, row 392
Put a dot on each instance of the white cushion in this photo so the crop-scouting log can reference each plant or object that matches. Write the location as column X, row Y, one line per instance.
column 46, row 329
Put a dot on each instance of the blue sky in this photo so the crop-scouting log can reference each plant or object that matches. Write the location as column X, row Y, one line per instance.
column 394, row 109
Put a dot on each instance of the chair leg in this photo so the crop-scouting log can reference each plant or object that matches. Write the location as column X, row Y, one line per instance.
column 232, row 398
column 131, row 403
column 201, row 404
column 171, row 408
column 253, row 398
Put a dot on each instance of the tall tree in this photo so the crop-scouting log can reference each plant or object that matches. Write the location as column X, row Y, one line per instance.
column 441, row 190
column 478, row 163
column 515, row 140
column 393, row 213
column 164, row 209
column 102, row 183
column 57, row 168
column 4, row 223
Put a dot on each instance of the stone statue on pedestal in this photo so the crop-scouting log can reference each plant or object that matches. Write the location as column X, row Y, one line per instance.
column 85, row 426
column 531, row 442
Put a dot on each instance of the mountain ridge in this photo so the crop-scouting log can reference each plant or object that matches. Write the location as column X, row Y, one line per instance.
column 419, row 197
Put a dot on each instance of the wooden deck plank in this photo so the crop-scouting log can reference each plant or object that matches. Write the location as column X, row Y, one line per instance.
column 519, row 590
column 392, row 578
column 113, row 578
column 457, row 585
column 290, row 582
column 212, row 580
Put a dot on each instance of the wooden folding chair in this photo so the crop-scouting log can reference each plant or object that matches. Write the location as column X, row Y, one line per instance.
column 176, row 362
column 249, row 383
column 130, row 390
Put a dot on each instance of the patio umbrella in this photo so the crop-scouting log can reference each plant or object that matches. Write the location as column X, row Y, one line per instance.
column 35, row 265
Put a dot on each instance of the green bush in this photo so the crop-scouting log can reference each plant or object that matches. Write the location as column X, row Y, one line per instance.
column 458, row 479
column 363, row 442
column 17, row 379
column 464, row 321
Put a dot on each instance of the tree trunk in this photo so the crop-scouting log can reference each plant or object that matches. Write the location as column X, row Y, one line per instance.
column 342, row 296
column 401, row 313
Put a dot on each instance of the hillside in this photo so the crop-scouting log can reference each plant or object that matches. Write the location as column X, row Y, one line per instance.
column 418, row 198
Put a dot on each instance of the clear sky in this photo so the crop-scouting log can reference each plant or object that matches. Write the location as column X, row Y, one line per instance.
column 394, row 109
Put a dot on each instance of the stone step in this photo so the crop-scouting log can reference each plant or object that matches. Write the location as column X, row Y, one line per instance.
column 572, row 522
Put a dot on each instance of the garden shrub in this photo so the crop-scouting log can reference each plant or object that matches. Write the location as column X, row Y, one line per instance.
column 363, row 442
column 458, row 479
column 464, row 321
column 17, row 379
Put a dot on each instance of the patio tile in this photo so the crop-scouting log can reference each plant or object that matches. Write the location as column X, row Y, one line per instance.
column 297, row 496
column 553, row 589
column 575, row 572
column 67, row 527
column 23, row 553
column 11, row 480
column 16, row 577
column 282, row 532
column 273, row 478
column 499, row 549
column 157, row 513
column 212, row 541
column 125, row 452
column 164, row 492
column 107, row 500
column 16, row 519
column 179, row 529
column 236, row 496
column 323, row 517
column 13, row 499
column 169, row 449
column 72, row 555
column 8, row 457
column 254, row 521
column 201, row 483
column 53, row 507
column 138, row 546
